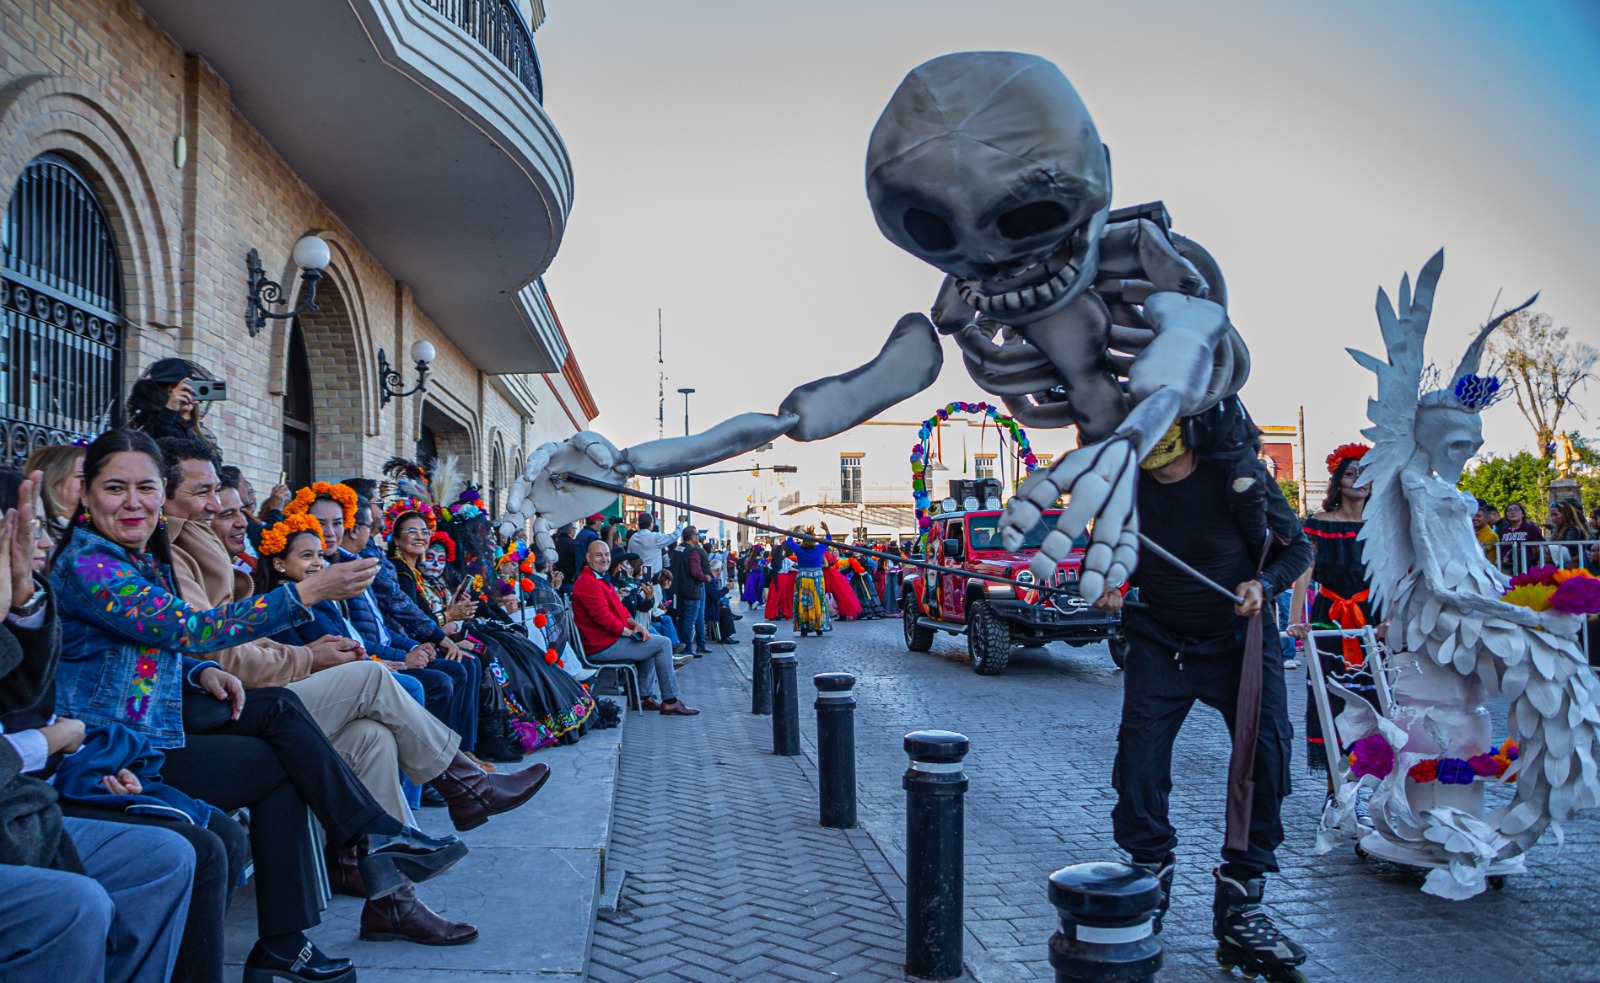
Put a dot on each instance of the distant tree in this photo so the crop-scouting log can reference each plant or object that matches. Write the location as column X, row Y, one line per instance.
column 1543, row 369
column 1522, row 477
column 1291, row 492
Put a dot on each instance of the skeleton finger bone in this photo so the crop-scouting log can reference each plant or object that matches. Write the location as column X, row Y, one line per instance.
column 1021, row 516
column 543, row 538
column 730, row 438
column 1044, row 416
column 907, row 364
column 1056, row 547
column 1009, row 383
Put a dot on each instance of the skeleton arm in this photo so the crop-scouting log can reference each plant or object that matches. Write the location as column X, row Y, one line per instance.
column 907, row 364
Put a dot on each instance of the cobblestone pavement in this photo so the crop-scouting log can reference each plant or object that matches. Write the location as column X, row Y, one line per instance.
column 1043, row 736
column 729, row 877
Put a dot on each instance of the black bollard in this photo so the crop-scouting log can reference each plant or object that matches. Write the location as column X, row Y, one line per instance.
column 1106, row 912
column 935, row 853
column 785, row 701
column 836, row 748
column 760, row 669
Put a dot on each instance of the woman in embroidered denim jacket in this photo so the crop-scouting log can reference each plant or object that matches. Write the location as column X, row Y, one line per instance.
column 128, row 640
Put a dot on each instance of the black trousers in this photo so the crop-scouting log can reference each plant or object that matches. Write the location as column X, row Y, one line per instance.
column 1165, row 676
column 275, row 761
column 221, row 852
column 450, row 692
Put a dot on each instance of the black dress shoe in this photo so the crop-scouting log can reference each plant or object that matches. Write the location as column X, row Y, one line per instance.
column 412, row 854
column 432, row 799
column 309, row 966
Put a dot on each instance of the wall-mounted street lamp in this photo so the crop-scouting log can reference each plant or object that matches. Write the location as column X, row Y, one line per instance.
column 389, row 379
column 311, row 255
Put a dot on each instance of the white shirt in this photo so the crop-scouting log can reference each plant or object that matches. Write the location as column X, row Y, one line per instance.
column 648, row 544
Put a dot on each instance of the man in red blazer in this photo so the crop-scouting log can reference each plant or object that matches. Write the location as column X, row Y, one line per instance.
column 610, row 634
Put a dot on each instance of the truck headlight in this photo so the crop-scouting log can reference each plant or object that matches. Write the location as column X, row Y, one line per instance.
column 1024, row 576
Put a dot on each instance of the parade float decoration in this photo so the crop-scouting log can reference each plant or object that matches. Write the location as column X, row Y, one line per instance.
column 987, row 166
column 1458, row 633
column 922, row 452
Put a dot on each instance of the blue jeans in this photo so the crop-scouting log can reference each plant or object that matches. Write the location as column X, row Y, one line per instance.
column 1284, row 641
column 59, row 926
column 692, row 621
column 664, row 626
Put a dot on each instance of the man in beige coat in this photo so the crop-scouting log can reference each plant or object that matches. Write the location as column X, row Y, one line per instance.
column 369, row 718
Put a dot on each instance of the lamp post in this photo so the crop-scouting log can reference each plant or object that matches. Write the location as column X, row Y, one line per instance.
column 311, row 255
column 686, row 393
column 390, row 380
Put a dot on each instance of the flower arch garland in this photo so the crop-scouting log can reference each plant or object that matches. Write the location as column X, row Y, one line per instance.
column 921, row 451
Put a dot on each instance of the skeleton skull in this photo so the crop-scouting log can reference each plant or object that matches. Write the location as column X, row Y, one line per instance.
column 986, row 165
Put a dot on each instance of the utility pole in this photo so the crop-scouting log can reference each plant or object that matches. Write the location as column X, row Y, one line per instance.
column 661, row 399
column 1301, row 426
column 687, row 392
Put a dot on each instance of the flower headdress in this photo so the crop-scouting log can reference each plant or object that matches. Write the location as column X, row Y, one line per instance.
column 275, row 539
column 401, row 507
column 469, row 505
column 1346, row 452
column 343, row 494
column 441, row 538
column 515, row 552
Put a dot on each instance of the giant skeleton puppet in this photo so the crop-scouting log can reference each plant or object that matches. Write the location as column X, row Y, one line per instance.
column 987, row 166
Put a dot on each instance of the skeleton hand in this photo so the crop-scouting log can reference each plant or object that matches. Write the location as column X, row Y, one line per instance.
column 557, row 503
column 1099, row 479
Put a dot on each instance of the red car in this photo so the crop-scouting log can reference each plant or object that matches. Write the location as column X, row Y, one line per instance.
column 996, row 617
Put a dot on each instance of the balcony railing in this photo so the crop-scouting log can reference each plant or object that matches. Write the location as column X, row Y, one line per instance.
column 498, row 26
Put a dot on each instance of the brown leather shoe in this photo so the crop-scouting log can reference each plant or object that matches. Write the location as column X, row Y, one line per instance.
column 474, row 796
column 402, row 918
column 344, row 872
column 649, row 703
column 675, row 708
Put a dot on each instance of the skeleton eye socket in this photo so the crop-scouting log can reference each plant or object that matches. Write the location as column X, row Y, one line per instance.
column 1032, row 219
column 929, row 230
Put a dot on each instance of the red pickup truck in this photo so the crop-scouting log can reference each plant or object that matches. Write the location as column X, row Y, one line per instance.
column 996, row 617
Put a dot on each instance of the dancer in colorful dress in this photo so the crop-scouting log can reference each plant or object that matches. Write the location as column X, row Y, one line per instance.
column 1342, row 596
column 810, row 607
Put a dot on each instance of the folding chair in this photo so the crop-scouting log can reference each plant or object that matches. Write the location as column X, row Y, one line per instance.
column 624, row 670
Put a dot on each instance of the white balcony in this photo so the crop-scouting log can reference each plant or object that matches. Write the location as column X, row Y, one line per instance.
column 418, row 123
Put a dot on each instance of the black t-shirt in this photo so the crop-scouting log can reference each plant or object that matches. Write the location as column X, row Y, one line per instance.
column 1192, row 519
column 567, row 558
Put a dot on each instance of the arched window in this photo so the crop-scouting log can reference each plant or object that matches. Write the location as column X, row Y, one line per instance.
column 61, row 317
column 299, row 417
column 497, row 480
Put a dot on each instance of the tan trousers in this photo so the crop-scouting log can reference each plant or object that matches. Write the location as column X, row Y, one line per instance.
column 378, row 729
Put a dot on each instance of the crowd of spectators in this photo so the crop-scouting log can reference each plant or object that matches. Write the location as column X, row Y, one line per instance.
column 186, row 674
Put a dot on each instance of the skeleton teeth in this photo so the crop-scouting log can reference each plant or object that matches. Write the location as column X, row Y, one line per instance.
column 1029, row 297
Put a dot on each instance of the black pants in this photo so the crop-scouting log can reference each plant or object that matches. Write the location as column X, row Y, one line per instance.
column 221, row 853
column 275, row 761
column 1165, row 675
column 450, row 692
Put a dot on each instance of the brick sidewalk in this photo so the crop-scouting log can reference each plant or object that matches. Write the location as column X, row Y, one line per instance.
column 729, row 877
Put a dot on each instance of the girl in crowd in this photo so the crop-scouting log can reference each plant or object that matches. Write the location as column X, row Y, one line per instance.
column 1516, row 558
column 128, row 647
column 1342, row 598
column 62, row 467
column 1567, row 526
column 755, row 581
column 837, row 584
column 660, row 613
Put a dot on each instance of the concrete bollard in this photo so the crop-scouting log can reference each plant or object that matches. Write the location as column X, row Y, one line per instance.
column 836, row 749
column 1107, row 911
column 785, row 700
column 761, row 669
column 935, row 853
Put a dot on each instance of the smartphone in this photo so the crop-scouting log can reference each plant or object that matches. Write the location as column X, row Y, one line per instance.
column 209, row 390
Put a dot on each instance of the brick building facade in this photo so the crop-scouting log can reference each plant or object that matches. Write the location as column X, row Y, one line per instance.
column 184, row 124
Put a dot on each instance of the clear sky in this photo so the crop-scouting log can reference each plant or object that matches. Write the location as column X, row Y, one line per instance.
column 1317, row 150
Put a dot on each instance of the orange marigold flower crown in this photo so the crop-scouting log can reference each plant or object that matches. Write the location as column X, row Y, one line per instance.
column 343, row 494
column 1346, row 452
column 275, row 540
column 403, row 506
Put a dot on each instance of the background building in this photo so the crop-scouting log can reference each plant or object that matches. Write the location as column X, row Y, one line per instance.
column 147, row 148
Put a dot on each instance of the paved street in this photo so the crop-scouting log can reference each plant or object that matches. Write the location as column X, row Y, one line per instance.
column 1042, row 739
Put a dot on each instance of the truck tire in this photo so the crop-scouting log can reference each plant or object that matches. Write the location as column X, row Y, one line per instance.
column 988, row 640
column 1118, row 644
column 918, row 637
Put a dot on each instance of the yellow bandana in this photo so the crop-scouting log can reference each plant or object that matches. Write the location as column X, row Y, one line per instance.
column 1166, row 449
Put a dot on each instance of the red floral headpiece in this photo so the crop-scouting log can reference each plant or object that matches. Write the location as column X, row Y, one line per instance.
column 443, row 539
column 1346, row 452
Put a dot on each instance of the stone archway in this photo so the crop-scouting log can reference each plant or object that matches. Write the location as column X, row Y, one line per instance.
column 337, row 404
